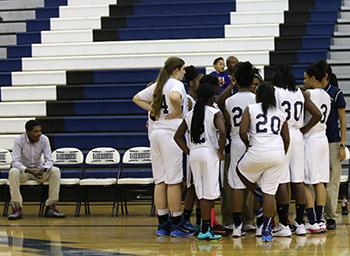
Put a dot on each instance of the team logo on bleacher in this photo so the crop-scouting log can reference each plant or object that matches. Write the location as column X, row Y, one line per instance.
column 106, row 156
column 2, row 157
column 138, row 155
column 67, row 157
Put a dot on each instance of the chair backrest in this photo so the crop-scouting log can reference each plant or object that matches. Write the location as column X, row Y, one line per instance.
column 137, row 155
column 68, row 156
column 103, row 156
column 5, row 159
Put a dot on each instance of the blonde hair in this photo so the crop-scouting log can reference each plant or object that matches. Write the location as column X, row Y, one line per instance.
column 170, row 65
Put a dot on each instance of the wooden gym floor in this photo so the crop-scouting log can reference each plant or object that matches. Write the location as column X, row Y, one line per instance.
column 100, row 234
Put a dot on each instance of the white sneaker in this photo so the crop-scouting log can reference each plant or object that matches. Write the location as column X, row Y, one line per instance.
column 300, row 229
column 281, row 231
column 312, row 229
column 237, row 231
column 259, row 231
column 249, row 227
column 322, row 226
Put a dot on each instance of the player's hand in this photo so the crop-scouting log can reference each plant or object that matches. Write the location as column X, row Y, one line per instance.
column 221, row 155
column 341, row 154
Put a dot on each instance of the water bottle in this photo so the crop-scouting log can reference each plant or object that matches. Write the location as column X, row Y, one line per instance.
column 344, row 206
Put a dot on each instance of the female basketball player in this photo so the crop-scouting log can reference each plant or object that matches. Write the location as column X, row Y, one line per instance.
column 265, row 133
column 291, row 100
column 233, row 113
column 316, row 150
column 205, row 149
column 168, row 105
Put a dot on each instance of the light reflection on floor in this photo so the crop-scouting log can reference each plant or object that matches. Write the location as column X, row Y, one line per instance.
column 100, row 234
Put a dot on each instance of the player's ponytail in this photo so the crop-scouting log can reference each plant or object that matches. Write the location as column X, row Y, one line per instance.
column 205, row 93
column 283, row 77
column 266, row 95
column 171, row 64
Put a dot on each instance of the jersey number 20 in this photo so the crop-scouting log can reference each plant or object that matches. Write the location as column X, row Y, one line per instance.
column 261, row 126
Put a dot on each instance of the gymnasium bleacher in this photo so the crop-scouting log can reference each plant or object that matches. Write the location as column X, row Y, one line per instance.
column 74, row 65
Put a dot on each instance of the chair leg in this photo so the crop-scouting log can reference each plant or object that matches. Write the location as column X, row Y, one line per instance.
column 126, row 208
column 6, row 201
column 78, row 204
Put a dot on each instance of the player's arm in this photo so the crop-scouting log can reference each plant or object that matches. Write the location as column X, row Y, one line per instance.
column 244, row 126
column 219, row 123
column 313, row 110
column 179, row 137
column 227, row 120
column 176, row 101
column 223, row 96
column 146, row 105
column 285, row 136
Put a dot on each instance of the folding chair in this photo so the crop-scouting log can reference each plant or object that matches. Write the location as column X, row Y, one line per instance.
column 105, row 158
column 5, row 165
column 69, row 157
column 136, row 156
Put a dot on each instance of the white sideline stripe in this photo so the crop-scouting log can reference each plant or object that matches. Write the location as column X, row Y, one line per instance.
column 154, row 46
column 134, row 61
column 13, row 125
column 39, row 78
column 22, row 109
column 32, row 93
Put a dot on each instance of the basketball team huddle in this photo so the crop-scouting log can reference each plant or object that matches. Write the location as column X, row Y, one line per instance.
column 274, row 134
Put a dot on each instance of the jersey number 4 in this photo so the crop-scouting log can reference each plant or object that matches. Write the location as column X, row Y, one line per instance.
column 164, row 106
column 262, row 127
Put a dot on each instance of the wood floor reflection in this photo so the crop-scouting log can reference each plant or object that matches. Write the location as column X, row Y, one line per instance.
column 100, row 234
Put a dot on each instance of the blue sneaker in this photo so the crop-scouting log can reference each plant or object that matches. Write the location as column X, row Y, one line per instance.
column 267, row 234
column 181, row 231
column 187, row 225
column 209, row 235
column 164, row 230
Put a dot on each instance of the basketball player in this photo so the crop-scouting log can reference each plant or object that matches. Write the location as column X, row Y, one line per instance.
column 291, row 100
column 205, row 150
column 265, row 133
column 316, row 150
column 168, row 105
column 233, row 113
column 192, row 77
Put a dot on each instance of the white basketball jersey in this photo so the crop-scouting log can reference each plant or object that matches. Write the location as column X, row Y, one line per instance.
column 172, row 85
column 192, row 100
column 323, row 102
column 235, row 106
column 265, row 130
column 291, row 103
column 209, row 137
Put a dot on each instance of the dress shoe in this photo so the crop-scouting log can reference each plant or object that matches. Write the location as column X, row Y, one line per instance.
column 16, row 214
column 52, row 212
